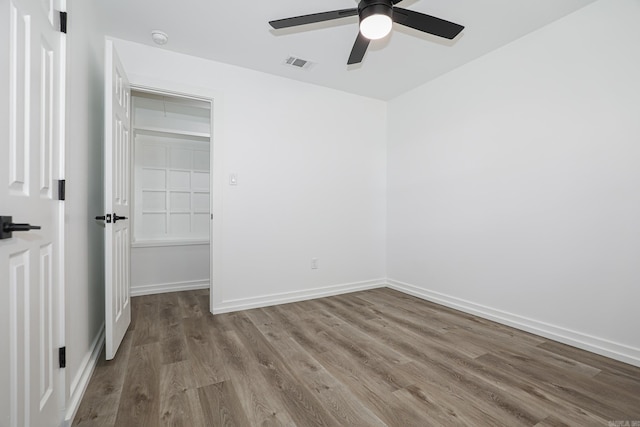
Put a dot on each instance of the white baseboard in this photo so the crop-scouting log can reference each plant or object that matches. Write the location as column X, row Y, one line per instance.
column 286, row 297
column 168, row 287
column 81, row 380
column 577, row 339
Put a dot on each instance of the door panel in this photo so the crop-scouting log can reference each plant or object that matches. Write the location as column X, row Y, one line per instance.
column 31, row 73
column 18, row 114
column 19, row 286
column 117, row 187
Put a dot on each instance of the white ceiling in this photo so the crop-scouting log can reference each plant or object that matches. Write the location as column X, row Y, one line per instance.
column 237, row 32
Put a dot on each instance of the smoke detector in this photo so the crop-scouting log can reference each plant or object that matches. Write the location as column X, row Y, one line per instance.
column 159, row 37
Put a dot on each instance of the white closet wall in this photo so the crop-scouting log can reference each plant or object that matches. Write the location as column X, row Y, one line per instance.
column 171, row 208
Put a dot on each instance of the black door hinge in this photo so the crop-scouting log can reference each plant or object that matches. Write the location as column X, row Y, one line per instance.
column 62, row 356
column 63, row 22
column 62, row 189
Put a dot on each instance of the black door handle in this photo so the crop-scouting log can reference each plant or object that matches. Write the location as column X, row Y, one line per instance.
column 11, row 227
column 106, row 218
column 7, row 227
column 116, row 218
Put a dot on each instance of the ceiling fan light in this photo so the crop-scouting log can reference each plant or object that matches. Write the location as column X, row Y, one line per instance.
column 375, row 18
column 376, row 26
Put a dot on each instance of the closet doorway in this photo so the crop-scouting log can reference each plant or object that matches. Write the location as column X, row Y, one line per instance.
column 170, row 192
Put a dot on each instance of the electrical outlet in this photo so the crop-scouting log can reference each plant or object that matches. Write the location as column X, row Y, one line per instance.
column 314, row 263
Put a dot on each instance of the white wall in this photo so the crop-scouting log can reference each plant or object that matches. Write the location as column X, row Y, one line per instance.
column 84, row 246
column 513, row 183
column 310, row 163
column 159, row 269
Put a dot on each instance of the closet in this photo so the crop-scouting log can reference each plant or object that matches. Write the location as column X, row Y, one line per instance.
column 170, row 171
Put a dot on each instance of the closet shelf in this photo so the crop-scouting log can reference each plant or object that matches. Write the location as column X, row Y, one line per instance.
column 166, row 243
column 153, row 129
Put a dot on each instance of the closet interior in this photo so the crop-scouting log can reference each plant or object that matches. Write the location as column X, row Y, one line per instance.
column 171, row 198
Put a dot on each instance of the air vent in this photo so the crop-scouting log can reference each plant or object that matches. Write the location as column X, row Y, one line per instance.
column 298, row 62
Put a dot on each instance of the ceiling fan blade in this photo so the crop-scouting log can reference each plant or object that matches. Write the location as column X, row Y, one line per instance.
column 359, row 49
column 310, row 19
column 426, row 23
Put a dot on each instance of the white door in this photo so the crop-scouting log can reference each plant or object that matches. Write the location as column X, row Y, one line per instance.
column 117, row 187
column 31, row 76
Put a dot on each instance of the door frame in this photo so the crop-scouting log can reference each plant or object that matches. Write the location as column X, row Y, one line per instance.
column 161, row 87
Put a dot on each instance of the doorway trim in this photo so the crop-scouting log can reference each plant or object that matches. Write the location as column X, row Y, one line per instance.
column 158, row 86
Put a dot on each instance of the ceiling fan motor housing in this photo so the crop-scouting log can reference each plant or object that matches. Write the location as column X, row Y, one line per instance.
column 368, row 8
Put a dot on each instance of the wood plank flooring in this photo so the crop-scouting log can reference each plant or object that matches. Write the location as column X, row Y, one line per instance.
column 370, row 358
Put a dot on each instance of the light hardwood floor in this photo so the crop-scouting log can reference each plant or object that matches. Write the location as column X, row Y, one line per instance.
column 370, row 358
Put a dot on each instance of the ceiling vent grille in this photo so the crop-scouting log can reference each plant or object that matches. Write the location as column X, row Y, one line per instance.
column 292, row 61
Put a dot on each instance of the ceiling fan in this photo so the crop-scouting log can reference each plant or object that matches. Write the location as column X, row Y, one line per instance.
column 376, row 19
